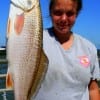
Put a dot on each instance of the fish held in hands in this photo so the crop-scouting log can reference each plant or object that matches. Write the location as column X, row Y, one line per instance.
column 27, row 62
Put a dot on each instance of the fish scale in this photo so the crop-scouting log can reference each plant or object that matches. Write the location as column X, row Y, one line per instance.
column 27, row 63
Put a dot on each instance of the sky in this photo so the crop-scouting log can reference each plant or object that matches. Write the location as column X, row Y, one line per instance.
column 87, row 23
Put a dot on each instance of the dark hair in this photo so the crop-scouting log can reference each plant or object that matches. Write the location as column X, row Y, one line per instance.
column 79, row 5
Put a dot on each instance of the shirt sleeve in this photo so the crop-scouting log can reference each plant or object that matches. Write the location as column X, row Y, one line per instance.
column 95, row 69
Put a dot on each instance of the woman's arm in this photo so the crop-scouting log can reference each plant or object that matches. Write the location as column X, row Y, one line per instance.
column 94, row 90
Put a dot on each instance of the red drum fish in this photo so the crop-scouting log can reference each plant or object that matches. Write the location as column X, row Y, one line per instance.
column 27, row 62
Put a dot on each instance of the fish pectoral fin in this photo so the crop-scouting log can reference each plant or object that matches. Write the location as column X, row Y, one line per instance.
column 9, row 81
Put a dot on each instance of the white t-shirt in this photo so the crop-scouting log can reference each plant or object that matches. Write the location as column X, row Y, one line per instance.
column 69, row 71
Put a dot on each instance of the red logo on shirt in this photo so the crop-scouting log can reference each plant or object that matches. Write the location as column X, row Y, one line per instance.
column 84, row 60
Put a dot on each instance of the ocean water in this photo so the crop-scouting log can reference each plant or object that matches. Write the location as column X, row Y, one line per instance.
column 9, row 95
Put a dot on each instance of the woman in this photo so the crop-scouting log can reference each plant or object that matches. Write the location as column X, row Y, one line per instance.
column 73, row 65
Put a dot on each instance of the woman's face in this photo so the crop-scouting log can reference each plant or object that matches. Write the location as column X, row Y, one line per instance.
column 63, row 15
